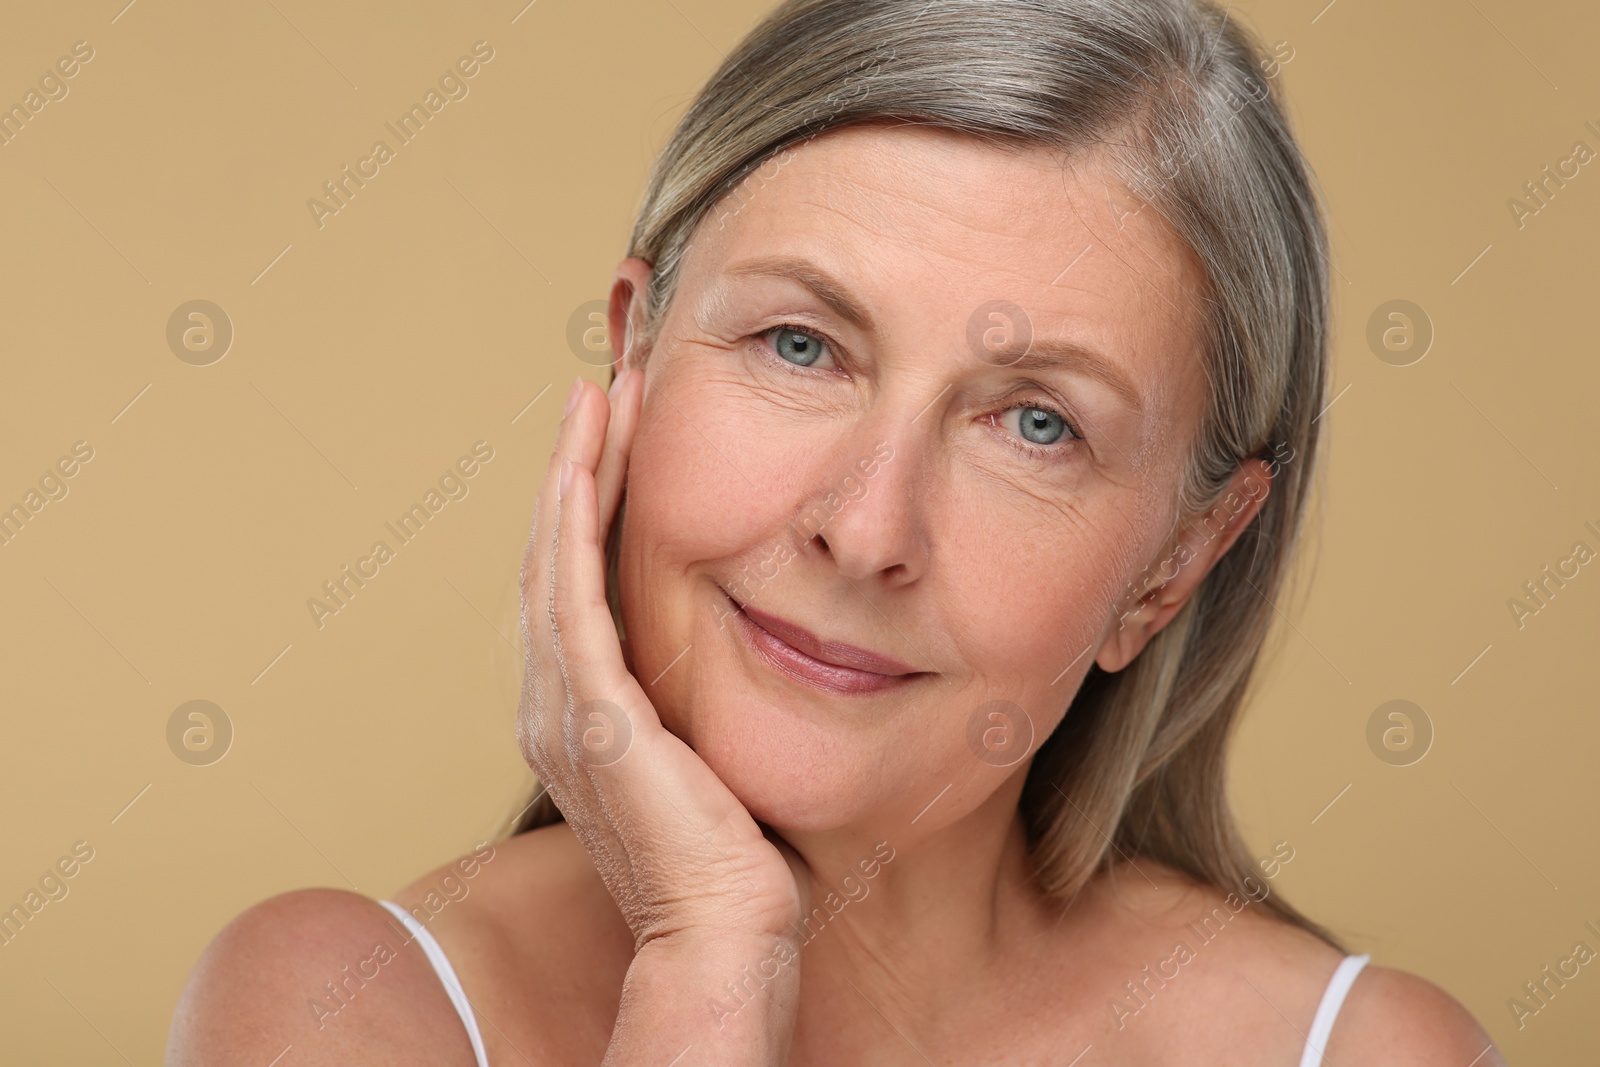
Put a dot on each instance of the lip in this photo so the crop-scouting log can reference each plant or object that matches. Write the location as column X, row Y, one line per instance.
column 831, row 665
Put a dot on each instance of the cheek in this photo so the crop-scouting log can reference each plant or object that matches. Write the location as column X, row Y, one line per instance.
column 1024, row 593
column 710, row 473
column 709, row 490
column 1028, row 591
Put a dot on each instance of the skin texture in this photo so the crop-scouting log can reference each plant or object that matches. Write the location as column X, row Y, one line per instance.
column 744, row 798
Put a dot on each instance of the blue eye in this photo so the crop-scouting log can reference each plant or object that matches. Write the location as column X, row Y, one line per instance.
column 1041, row 426
column 1039, row 430
column 801, row 349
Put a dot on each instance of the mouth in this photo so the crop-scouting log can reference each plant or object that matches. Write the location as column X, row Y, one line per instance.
column 832, row 666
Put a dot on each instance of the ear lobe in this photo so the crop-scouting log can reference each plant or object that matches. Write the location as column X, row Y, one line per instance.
column 1131, row 634
column 1177, row 574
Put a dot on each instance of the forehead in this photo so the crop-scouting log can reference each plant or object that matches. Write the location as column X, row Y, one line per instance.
column 925, row 226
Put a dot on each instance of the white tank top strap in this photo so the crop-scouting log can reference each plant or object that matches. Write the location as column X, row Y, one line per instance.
column 447, row 977
column 1328, row 1010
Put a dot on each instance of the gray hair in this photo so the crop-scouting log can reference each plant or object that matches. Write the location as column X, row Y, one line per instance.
column 1182, row 100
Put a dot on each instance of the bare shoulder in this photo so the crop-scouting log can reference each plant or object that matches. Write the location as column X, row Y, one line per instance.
column 497, row 883
column 536, row 941
column 532, row 898
column 325, row 972
column 1395, row 1017
column 1238, row 925
column 1258, row 981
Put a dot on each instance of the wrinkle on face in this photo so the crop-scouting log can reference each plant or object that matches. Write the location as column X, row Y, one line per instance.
column 1013, row 563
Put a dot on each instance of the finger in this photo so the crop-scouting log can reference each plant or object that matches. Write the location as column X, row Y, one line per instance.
column 542, row 711
column 585, row 636
column 798, row 868
column 544, row 707
column 612, row 473
column 546, row 719
column 576, row 436
column 583, row 431
column 536, row 555
column 603, row 697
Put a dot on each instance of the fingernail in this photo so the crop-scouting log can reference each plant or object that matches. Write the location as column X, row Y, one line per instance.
column 572, row 395
column 566, row 477
column 616, row 384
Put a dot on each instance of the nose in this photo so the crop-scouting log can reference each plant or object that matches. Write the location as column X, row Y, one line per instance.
column 867, row 517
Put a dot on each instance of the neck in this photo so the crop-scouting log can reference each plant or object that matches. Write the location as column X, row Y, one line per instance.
column 918, row 911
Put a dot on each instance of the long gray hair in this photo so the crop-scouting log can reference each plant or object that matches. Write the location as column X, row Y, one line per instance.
column 1183, row 101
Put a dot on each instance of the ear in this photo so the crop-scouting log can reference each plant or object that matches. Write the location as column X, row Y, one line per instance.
column 624, row 324
column 1168, row 582
column 626, row 313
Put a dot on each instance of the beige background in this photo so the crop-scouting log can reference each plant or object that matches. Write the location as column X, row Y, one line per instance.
column 370, row 353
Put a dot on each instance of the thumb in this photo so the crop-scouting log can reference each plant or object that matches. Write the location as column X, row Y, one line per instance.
column 798, row 868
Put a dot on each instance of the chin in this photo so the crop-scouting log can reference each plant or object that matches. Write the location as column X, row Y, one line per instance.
column 790, row 774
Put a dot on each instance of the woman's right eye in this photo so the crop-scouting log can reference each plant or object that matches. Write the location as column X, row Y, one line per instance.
column 800, row 347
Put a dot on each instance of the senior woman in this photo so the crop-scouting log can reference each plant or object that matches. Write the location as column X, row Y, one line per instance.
column 887, row 620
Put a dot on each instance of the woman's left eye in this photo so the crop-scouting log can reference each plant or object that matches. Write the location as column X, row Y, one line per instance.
column 799, row 347
column 1037, row 426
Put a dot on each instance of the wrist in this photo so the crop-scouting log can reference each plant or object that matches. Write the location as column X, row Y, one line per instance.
column 731, row 996
column 726, row 973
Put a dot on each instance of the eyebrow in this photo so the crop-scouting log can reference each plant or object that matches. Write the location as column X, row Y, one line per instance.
column 1070, row 355
column 1041, row 354
column 826, row 288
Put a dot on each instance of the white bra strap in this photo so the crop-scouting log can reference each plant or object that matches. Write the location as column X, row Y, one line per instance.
column 1328, row 1010
column 447, row 977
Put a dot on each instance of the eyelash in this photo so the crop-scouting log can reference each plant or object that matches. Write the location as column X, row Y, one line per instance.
column 1044, row 452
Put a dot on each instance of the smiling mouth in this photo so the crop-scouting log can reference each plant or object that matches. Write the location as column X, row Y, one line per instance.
column 797, row 653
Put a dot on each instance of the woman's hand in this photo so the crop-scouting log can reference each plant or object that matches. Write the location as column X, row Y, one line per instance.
column 684, row 860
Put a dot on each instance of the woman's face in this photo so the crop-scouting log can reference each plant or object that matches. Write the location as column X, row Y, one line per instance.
column 846, row 429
